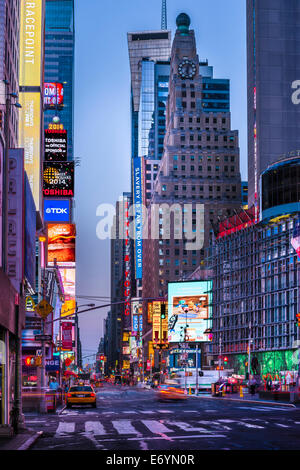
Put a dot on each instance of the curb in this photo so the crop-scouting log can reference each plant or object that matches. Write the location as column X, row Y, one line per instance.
column 61, row 410
column 30, row 441
column 270, row 403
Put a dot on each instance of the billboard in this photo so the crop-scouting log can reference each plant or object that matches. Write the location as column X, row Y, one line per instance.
column 136, row 318
column 56, row 145
column 68, row 280
column 31, row 43
column 30, row 140
column 61, row 244
column 66, row 335
column 138, row 189
column 126, row 267
column 53, row 95
column 57, row 210
column 58, row 179
column 30, row 231
column 68, row 308
column 189, row 307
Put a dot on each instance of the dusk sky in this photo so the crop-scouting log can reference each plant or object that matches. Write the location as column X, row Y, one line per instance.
column 102, row 114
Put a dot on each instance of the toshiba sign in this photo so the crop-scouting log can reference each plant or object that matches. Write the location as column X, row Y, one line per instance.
column 56, row 210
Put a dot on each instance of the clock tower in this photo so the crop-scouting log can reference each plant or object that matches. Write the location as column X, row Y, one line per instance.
column 199, row 166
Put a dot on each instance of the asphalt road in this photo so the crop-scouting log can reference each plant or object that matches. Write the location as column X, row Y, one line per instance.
column 132, row 419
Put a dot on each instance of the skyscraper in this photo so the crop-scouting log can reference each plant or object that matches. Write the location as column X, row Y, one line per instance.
column 200, row 164
column 273, row 39
column 59, row 61
column 145, row 49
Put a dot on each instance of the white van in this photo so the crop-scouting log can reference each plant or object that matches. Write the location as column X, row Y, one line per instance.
column 205, row 378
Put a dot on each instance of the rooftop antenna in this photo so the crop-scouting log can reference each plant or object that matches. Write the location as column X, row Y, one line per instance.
column 164, row 25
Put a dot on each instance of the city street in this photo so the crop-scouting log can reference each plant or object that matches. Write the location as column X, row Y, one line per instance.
column 132, row 419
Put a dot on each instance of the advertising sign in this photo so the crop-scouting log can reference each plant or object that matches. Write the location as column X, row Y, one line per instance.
column 138, row 215
column 295, row 241
column 58, row 179
column 52, row 365
column 56, row 145
column 15, row 216
column 137, row 317
column 68, row 280
column 189, row 311
column 53, row 95
column 30, row 140
column 127, row 267
column 66, row 330
column 31, row 44
column 56, row 210
column 61, row 243
column 68, row 308
column 30, row 230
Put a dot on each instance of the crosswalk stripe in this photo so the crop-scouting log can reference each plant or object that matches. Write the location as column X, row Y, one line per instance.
column 155, row 426
column 148, row 412
column 187, row 427
column 65, row 428
column 124, row 426
column 95, row 427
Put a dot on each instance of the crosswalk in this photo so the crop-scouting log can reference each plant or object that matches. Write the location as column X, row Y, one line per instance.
column 164, row 428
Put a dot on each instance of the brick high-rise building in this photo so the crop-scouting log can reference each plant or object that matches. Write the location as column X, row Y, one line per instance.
column 200, row 164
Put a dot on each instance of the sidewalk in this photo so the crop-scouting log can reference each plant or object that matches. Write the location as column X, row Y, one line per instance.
column 22, row 441
column 247, row 398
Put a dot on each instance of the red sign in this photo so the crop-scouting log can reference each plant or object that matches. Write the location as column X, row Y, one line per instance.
column 66, row 330
column 127, row 270
column 53, row 95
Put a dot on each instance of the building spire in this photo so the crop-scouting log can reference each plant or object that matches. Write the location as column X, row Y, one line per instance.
column 164, row 15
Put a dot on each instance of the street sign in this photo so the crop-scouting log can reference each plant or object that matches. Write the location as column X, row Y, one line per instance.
column 43, row 309
column 43, row 337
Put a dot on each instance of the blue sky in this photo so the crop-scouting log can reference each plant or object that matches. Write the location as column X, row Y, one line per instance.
column 102, row 112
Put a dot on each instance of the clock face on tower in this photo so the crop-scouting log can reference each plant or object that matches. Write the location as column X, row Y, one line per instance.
column 187, row 69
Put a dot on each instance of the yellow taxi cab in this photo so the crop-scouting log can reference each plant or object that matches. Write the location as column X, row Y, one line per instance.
column 170, row 390
column 81, row 395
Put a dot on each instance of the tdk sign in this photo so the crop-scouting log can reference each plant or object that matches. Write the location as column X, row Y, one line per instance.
column 56, row 211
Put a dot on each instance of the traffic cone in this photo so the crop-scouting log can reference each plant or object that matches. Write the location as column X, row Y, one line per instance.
column 190, row 391
column 241, row 392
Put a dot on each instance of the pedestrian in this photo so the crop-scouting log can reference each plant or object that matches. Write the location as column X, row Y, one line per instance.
column 54, row 384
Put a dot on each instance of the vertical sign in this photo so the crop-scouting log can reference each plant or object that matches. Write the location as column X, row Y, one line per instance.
column 127, row 269
column 15, row 215
column 30, row 97
column 66, row 330
column 138, row 215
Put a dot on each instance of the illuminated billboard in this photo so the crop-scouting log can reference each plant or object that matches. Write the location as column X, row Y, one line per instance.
column 53, row 95
column 58, row 179
column 57, row 210
column 31, row 43
column 68, row 280
column 68, row 308
column 30, row 140
column 56, row 145
column 189, row 311
column 61, row 244
column 138, row 188
column 136, row 318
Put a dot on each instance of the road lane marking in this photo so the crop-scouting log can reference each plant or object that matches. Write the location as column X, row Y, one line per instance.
column 129, row 412
column 124, row 426
column 149, row 412
column 95, row 427
column 65, row 428
column 187, row 427
column 282, row 425
column 165, row 411
column 155, row 426
column 261, row 408
column 187, row 436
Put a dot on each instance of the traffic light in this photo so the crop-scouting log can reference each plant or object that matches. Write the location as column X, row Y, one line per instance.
column 298, row 319
column 225, row 360
column 163, row 311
